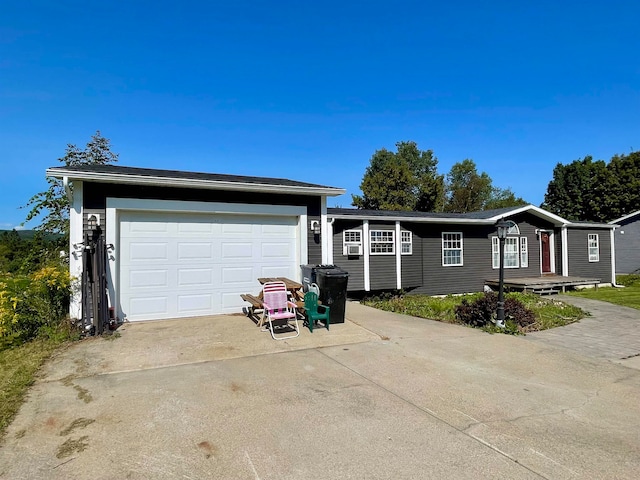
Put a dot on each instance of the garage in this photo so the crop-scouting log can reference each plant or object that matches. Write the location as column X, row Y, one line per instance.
column 181, row 244
column 182, row 265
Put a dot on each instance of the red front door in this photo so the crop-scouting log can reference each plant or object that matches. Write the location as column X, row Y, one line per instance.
column 546, row 252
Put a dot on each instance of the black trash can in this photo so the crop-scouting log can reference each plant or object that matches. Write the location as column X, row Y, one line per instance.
column 332, row 281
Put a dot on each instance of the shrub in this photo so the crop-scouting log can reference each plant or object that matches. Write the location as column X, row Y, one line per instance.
column 33, row 305
column 482, row 312
column 479, row 312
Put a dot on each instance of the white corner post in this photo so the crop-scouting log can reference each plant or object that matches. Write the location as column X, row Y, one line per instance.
column 365, row 247
column 75, row 249
column 613, row 257
column 324, row 231
column 564, row 236
column 398, row 247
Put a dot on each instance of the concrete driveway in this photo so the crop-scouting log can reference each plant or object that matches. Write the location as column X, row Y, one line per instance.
column 382, row 396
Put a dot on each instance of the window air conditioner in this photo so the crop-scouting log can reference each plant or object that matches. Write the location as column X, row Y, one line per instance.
column 354, row 249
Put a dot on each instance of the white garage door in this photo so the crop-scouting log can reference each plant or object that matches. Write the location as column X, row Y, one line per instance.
column 181, row 265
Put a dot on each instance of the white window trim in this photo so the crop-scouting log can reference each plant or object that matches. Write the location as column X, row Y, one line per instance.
column 524, row 252
column 461, row 264
column 495, row 253
column 391, row 242
column 345, row 243
column 596, row 257
column 403, row 242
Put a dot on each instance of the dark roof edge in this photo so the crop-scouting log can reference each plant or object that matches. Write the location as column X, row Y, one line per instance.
column 172, row 178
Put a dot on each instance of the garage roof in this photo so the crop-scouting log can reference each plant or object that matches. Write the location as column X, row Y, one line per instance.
column 177, row 178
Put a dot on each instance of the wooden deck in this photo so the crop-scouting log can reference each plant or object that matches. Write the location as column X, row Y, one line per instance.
column 544, row 284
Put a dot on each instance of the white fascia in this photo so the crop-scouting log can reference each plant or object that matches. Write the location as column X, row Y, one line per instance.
column 365, row 247
column 76, row 247
column 553, row 218
column 194, row 183
column 466, row 221
column 398, row 248
column 622, row 219
column 117, row 205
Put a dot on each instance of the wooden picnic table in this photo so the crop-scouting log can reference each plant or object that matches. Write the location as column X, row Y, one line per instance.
column 294, row 288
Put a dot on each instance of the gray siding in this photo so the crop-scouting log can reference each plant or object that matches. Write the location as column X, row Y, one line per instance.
column 354, row 265
column 382, row 268
column 424, row 270
column 579, row 264
column 95, row 200
column 627, row 243
column 412, row 264
column 469, row 277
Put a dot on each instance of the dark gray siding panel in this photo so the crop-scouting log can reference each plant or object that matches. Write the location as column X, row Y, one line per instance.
column 353, row 265
column 95, row 200
column 627, row 243
column 558, row 252
column 442, row 280
column 477, row 262
column 382, row 268
column 579, row 264
column 412, row 264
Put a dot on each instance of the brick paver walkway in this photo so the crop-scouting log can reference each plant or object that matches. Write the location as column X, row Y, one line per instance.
column 611, row 332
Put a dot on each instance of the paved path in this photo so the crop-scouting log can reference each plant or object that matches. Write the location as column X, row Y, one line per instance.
column 381, row 396
column 611, row 332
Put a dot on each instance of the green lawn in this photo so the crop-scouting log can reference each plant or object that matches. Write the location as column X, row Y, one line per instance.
column 629, row 296
column 549, row 313
column 18, row 369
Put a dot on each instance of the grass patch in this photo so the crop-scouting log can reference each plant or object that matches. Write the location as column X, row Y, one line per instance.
column 629, row 296
column 549, row 313
column 18, row 369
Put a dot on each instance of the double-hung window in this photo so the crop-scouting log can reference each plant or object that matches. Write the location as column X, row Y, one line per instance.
column 382, row 242
column 516, row 252
column 406, row 241
column 452, row 249
column 594, row 247
column 352, row 242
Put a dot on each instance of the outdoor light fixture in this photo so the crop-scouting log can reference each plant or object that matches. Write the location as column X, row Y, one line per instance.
column 503, row 227
column 315, row 227
column 92, row 222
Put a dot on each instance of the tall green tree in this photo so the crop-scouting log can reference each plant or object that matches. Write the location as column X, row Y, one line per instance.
column 470, row 191
column 580, row 191
column 52, row 205
column 407, row 179
column 623, row 184
column 503, row 198
column 466, row 189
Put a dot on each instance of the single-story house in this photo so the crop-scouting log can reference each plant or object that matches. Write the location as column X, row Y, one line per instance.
column 181, row 244
column 446, row 253
column 627, row 238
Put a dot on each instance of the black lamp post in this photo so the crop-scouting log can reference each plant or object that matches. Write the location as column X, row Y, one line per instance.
column 503, row 228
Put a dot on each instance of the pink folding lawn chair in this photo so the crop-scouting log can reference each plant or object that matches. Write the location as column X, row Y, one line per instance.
column 279, row 310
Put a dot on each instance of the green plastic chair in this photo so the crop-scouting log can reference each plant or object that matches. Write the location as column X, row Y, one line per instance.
column 311, row 309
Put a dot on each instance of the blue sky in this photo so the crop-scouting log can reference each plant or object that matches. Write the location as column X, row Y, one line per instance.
column 310, row 91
